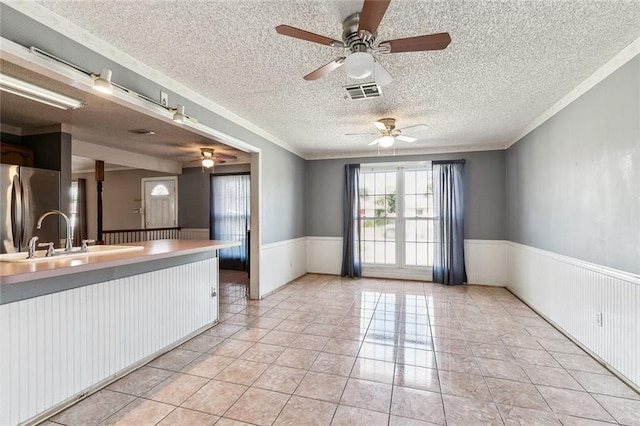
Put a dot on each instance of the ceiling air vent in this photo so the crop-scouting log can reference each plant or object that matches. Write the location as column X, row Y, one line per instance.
column 363, row 91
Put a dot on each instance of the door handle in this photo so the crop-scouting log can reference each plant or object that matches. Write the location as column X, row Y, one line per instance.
column 16, row 212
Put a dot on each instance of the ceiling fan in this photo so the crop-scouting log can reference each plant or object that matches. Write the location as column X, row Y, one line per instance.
column 388, row 133
column 208, row 158
column 360, row 36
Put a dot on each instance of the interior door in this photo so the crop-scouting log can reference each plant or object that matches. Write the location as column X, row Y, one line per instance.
column 160, row 202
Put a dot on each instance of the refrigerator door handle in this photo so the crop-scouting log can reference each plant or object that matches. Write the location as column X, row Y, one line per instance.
column 25, row 221
column 16, row 211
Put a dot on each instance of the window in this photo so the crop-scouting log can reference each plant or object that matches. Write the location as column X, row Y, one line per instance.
column 397, row 217
column 159, row 190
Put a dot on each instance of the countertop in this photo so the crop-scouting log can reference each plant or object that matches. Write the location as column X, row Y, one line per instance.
column 13, row 273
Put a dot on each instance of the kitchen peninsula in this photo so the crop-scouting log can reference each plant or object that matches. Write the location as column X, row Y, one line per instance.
column 70, row 325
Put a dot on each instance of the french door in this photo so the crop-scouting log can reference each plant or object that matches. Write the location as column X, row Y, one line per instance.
column 397, row 220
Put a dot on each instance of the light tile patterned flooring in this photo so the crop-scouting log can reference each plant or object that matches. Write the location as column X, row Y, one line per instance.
column 326, row 350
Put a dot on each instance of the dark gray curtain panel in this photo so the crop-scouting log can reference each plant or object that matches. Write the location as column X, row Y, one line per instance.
column 351, row 222
column 230, row 217
column 448, row 199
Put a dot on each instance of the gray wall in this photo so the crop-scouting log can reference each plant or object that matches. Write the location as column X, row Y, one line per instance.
column 484, row 199
column 573, row 184
column 283, row 183
column 194, row 198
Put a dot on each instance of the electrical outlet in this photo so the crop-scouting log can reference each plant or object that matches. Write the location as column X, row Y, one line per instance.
column 599, row 319
column 164, row 99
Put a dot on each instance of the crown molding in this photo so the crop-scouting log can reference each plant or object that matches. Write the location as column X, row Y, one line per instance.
column 624, row 56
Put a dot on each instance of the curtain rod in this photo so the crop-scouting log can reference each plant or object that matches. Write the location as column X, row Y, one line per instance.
column 461, row 161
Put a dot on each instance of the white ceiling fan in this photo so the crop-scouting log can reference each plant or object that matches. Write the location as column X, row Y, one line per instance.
column 388, row 134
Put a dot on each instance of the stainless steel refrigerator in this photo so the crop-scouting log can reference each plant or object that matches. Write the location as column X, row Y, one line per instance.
column 28, row 193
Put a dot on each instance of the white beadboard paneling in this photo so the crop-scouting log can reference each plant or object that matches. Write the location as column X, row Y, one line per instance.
column 324, row 255
column 486, row 262
column 570, row 292
column 194, row 234
column 485, row 259
column 58, row 346
column 281, row 263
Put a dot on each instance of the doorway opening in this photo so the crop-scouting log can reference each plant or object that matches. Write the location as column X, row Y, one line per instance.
column 231, row 218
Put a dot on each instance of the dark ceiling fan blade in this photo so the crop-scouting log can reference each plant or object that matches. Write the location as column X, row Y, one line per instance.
column 419, row 43
column 325, row 69
column 225, row 157
column 371, row 15
column 306, row 35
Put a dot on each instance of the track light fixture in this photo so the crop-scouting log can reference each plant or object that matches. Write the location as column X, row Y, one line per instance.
column 102, row 82
column 36, row 93
column 179, row 116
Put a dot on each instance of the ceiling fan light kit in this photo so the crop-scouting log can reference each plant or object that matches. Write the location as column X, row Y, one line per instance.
column 386, row 141
column 207, row 163
column 359, row 65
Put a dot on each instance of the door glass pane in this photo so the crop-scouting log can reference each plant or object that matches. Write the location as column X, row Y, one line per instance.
column 159, row 190
column 379, row 200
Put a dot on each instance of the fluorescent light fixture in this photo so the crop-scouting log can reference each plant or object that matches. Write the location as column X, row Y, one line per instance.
column 36, row 93
column 359, row 65
column 207, row 162
column 179, row 116
column 386, row 141
column 103, row 82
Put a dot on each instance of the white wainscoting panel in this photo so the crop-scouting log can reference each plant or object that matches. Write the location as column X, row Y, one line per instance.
column 486, row 262
column 194, row 234
column 571, row 292
column 282, row 262
column 324, row 255
column 485, row 259
column 59, row 346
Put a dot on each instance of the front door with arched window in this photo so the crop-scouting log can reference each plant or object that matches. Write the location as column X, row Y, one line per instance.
column 160, row 203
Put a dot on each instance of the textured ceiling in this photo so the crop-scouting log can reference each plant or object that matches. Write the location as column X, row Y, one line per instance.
column 508, row 62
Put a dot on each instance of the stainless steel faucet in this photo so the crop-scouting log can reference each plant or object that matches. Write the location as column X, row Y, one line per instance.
column 68, row 246
column 32, row 247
